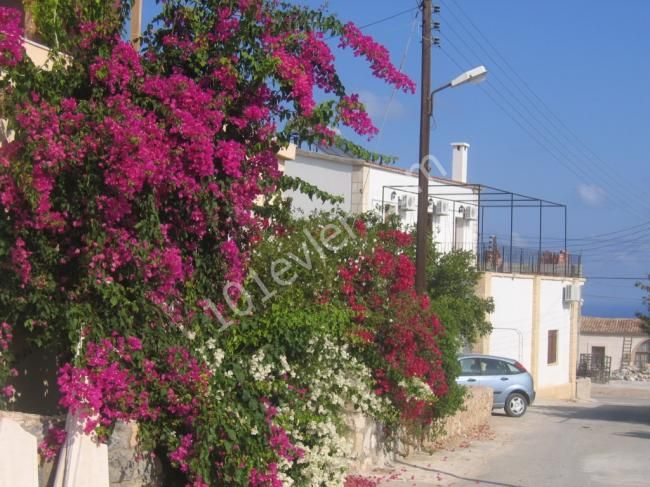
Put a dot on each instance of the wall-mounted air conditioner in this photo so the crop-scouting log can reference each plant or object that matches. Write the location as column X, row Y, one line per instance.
column 470, row 213
column 571, row 293
column 440, row 207
column 407, row 203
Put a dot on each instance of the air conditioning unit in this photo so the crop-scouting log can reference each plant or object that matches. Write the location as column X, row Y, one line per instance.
column 571, row 293
column 408, row 203
column 440, row 207
column 470, row 213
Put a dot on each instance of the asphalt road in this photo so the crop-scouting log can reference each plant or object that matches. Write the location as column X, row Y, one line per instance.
column 602, row 443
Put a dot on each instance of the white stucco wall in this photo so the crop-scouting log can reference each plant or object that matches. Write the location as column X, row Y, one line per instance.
column 554, row 315
column 330, row 176
column 445, row 232
column 613, row 346
column 512, row 320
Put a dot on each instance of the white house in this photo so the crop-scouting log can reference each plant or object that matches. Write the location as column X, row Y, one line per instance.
column 366, row 186
column 623, row 341
column 536, row 293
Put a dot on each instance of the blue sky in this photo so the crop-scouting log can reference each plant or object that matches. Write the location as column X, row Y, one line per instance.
column 563, row 116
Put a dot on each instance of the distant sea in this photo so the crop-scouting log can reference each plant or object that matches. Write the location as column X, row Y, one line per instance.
column 606, row 310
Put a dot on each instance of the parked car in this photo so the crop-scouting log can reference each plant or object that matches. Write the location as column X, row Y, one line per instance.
column 513, row 386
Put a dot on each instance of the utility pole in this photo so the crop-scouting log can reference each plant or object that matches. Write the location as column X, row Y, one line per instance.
column 136, row 22
column 422, row 235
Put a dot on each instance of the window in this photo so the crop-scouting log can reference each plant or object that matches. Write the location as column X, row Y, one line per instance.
column 642, row 357
column 552, row 347
column 470, row 366
column 512, row 370
column 494, row 367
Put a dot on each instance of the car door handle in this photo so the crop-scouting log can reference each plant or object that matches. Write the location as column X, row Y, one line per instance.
column 504, row 378
column 471, row 380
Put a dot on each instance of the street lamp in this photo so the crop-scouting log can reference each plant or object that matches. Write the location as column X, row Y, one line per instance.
column 472, row 76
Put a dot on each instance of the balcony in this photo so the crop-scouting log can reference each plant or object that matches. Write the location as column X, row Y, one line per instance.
column 519, row 260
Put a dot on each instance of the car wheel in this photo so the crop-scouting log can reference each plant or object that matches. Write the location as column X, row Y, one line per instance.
column 516, row 405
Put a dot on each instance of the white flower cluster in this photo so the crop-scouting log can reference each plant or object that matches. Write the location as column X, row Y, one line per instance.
column 336, row 381
column 260, row 368
column 211, row 355
column 417, row 389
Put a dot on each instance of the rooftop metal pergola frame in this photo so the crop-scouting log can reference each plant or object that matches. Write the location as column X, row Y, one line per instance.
column 482, row 197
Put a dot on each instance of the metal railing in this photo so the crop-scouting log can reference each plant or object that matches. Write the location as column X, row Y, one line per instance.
column 521, row 260
column 595, row 366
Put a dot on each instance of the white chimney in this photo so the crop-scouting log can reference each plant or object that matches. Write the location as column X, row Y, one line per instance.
column 459, row 161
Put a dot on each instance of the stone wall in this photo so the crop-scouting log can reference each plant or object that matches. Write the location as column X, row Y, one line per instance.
column 369, row 446
column 583, row 389
column 125, row 469
column 367, row 443
column 476, row 412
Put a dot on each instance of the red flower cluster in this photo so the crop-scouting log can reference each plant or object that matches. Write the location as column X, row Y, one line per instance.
column 399, row 324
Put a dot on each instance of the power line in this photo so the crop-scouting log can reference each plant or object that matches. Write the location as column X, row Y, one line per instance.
column 382, row 20
column 561, row 128
column 550, row 141
column 390, row 17
column 617, row 298
column 545, row 143
column 616, row 278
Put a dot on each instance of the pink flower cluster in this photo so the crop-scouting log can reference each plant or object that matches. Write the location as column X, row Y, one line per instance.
column 51, row 444
column 11, row 31
column 354, row 115
column 6, row 336
column 118, row 383
column 202, row 180
column 283, row 447
column 377, row 55
column 182, row 453
column 265, row 479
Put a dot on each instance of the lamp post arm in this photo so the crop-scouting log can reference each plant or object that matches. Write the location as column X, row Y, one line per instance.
column 440, row 88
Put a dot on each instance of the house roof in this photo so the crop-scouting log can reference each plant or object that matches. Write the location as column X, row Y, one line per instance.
column 611, row 326
column 336, row 155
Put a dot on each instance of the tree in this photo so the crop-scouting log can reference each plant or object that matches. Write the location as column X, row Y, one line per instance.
column 452, row 281
column 128, row 191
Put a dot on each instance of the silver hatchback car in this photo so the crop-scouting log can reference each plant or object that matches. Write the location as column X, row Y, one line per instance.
column 513, row 386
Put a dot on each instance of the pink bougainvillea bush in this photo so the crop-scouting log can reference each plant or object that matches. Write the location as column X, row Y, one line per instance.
column 129, row 184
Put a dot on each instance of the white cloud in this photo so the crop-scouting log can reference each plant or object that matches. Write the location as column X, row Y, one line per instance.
column 376, row 106
column 591, row 195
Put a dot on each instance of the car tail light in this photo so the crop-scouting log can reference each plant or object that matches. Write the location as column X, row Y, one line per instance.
column 520, row 367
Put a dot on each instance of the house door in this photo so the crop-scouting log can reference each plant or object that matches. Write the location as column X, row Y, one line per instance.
column 597, row 356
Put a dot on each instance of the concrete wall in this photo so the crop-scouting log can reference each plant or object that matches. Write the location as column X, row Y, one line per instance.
column 126, row 468
column 512, row 320
column 329, row 175
column 613, row 346
column 526, row 308
column 554, row 315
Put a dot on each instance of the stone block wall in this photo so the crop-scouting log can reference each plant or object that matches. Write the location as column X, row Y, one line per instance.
column 476, row 412
column 369, row 446
column 367, row 442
